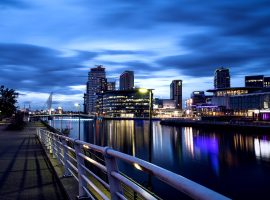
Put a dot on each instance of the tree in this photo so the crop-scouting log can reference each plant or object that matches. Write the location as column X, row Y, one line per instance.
column 7, row 101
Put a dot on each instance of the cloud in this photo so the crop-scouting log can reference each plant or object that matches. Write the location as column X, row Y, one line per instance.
column 126, row 52
column 207, row 51
column 41, row 69
column 31, row 67
column 51, row 45
column 12, row 4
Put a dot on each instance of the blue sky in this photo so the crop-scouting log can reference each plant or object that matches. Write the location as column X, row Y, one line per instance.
column 49, row 46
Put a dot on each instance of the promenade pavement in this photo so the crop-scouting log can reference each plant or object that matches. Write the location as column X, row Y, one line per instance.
column 25, row 171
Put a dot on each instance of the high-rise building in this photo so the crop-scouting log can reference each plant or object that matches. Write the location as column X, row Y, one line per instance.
column 176, row 92
column 85, row 101
column 110, row 86
column 222, row 78
column 254, row 81
column 102, row 84
column 127, row 80
column 266, row 82
column 96, row 84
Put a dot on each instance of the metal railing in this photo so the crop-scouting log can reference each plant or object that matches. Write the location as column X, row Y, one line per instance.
column 100, row 178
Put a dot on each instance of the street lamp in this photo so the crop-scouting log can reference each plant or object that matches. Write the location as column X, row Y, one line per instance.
column 144, row 91
column 78, row 106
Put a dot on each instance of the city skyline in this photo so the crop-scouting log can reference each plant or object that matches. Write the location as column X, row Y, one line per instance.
column 49, row 46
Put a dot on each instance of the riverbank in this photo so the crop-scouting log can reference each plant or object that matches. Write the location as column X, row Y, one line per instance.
column 258, row 125
column 128, row 118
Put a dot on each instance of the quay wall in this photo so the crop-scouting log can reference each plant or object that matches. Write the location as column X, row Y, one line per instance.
column 255, row 125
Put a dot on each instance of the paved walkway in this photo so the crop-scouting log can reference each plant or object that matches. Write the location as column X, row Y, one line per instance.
column 25, row 172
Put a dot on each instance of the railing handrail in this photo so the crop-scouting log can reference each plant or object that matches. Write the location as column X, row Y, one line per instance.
column 186, row 186
column 175, row 180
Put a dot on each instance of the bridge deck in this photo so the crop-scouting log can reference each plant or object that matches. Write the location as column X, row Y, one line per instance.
column 25, row 172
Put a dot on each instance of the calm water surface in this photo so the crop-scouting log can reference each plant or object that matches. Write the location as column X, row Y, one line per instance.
column 236, row 164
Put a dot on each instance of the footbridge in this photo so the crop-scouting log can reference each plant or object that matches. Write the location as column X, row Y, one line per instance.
column 63, row 115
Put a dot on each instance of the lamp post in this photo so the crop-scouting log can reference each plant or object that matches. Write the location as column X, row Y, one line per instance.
column 143, row 91
column 78, row 106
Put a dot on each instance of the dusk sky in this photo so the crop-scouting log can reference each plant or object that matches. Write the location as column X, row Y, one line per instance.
column 50, row 45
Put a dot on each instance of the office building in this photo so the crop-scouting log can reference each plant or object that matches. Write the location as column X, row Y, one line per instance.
column 95, row 85
column 266, row 82
column 165, row 108
column 198, row 97
column 110, row 86
column 199, row 105
column 254, row 81
column 127, row 80
column 251, row 101
column 222, row 78
column 176, row 92
column 123, row 103
column 85, row 100
column 221, row 97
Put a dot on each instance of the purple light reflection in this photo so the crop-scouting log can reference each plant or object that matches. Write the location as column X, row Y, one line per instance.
column 209, row 146
column 266, row 116
column 206, row 144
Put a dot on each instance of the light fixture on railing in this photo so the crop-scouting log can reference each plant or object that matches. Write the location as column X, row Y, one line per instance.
column 137, row 166
column 86, row 146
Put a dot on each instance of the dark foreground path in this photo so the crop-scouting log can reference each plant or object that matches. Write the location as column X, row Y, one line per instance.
column 25, row 172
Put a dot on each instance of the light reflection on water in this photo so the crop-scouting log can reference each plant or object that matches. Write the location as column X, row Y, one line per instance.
column 232, row 163
column 262, row 148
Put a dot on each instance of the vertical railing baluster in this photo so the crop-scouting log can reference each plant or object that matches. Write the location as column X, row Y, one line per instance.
column 115, row 184
column 81, row 171
column 53, row 145
column 50, row 142
column 47, row 140
column 65, row 159
column 44, row 138
column 58, row 149
column 40, row 134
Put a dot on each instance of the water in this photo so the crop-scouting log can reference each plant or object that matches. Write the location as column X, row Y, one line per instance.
column 236, row 164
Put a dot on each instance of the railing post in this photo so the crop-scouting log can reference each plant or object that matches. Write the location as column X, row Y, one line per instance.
column 53, row 145
column 40, row 135
column 115, row 184
column 47, row 140
column 58, row 149
column 65, row 158
column 81, row 171
column 50, row 143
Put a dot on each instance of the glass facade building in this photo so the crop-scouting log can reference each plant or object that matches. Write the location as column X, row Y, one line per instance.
column 266, row 82
column 250, row 101
column 254, row 81
column 126, row 80
column 95, row 84
column 123, row 103
column 222, row 78
column 257, row 81
column 176, row 93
